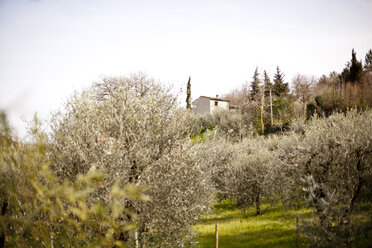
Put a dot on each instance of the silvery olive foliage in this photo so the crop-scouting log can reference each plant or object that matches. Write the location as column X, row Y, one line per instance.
column 332, row 160
column 327, row 162
column 217, row 154
column 253, row 176
column 38, row 211
column 233, row 124
column 132, row 129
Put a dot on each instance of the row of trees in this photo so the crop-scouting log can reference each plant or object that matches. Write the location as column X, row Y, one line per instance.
column 269, row 104
column 275, row 106
column 326, row 162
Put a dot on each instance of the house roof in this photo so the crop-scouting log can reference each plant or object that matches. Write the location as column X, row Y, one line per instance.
column 216, row 99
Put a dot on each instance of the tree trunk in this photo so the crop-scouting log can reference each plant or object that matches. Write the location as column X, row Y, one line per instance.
column 349, row 242
column 346, row 215
column 2, row 234
column 304, row 109
column 258, row 207
column 240, row 127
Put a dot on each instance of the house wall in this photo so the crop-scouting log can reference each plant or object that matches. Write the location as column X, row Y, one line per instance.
column 201, row 106
column 222, row 105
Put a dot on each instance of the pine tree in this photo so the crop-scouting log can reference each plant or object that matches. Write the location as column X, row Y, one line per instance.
column 255, row 85
column 268, row 84
column 188, row 97
column 280, row 88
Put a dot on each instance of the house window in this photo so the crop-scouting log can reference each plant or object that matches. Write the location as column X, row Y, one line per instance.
column 216, row 103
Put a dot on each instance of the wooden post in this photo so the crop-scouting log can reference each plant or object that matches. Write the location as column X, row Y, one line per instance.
column 216, row 236
column 262, row 111
column 297, row 233
column 271, row 110
column 136, row 243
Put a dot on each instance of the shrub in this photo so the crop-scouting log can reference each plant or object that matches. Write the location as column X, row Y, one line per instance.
column 37, row 211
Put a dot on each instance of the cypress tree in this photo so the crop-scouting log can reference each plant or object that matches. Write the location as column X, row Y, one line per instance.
column 356, row 69
column 188, row 97
column 353, row 72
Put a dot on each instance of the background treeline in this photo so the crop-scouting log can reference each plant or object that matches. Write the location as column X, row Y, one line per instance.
column 269, row 106
column 124, row 165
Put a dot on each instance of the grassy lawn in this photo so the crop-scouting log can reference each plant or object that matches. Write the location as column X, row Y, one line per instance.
column 275, row 228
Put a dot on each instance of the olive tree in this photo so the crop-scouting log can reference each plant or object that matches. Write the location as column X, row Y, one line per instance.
column 331, row 159
column 132, row 129
column 216, row 153
column 253, row 175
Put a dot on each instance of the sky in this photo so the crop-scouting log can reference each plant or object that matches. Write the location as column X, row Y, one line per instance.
column 51, row 48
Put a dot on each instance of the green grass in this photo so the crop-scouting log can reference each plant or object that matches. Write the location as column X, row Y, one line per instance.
column 274, row 228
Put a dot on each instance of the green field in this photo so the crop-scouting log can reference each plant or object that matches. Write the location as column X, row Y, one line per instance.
column 276, row 227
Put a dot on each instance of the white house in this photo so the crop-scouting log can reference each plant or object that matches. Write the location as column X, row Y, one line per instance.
column 207, row 105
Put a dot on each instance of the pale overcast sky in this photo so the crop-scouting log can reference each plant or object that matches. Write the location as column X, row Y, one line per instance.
column 49, row 48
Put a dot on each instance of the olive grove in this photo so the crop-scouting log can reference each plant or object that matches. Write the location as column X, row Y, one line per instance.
column 328, row 162
column 125, row 165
